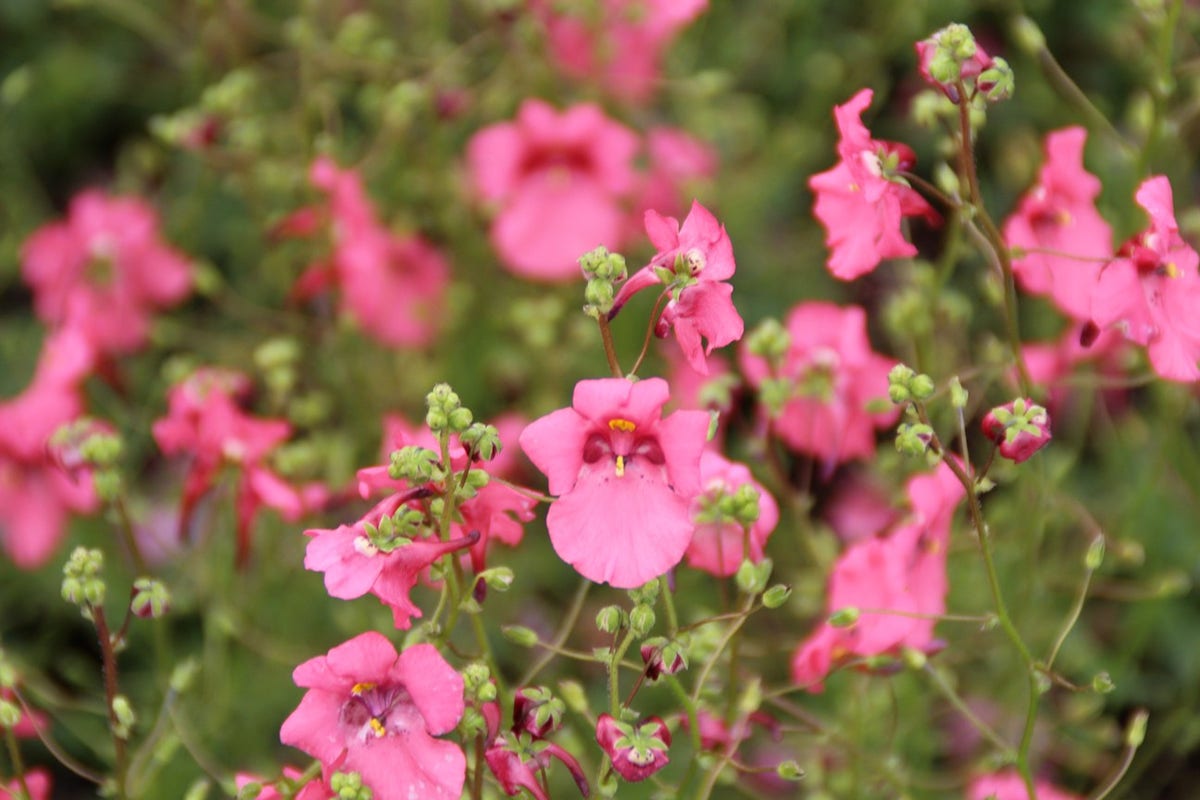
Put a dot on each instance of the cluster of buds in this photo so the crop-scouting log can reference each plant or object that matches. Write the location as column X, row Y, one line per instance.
column 604, row 271
column 953, row 62
column 90, row 447
column 516, row 756
column 82, row 584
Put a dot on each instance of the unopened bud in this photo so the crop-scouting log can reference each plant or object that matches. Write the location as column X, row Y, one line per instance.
column 1095, row 554
column 789, row 771
column 641, row 619
column 777, row 595
column 520, row 635
column 611, row 619
column 844, row 617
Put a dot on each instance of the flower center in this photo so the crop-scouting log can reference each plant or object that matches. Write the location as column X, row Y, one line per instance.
column 373, row 711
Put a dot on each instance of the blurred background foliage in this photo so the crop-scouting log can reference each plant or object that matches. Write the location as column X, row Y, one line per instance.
column 114, row 93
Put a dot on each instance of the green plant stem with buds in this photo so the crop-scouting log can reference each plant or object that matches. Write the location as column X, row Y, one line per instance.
column 564, row 631
column 14, row 755
column 614, row 675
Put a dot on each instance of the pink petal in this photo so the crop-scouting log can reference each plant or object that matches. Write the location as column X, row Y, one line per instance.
column 348, row 573
column 313, row 726
column 554, row 443
column 436, row 688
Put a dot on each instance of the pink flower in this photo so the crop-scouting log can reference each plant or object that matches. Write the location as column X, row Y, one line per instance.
column 514, row 759
column 370, row 711
column 1020, row 428
column 361, row 558
column 104, row 271
column 624, row 478
column 30, row 722
column 637, row 751
column 37, row 492
column 1008, row 785
column 719, row 545
column 393, row 286
column 313, row 790
column 858, row 508
column 558, row 181
column 862, row 199
column 205, row 422
column 836, row 376
column 36, row 780
column 903, row 572
column 1052, row 363
column 1059, row 214
column 620, row 45
column 1152, row 289
column 693, row 260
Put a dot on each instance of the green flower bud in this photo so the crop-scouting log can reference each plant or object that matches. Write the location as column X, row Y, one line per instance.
column 197, row 791
column 641, row 619
column 349, row 786
column 482, row 442
column 10, row 714
column 184, row 675
column 519, row 635
column 475, row 675
column 752, row 578
column 81, row 581
column 126, row 718
column 777, row 595
column 958, row 395
column 150, row 598
column 498, row 578
column 899, row 394
column 922, row 387
column 769, row 340
column 789, row 771
column 611, row 619
column 573, row 696
column 914, row 659
column 844, row 617
column 249, row 791
column 1095, row 554
column 1102, row 683
column 107, row 483
column 1135, row 732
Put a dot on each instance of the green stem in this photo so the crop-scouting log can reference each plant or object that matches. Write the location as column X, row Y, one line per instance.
column 669, row 602
column 649, row 331
column 14, row 754
column 109, row 657
column 1072, row 618
column 609, row 351
column 947, row 691
column 614, row 675
column 564, row 632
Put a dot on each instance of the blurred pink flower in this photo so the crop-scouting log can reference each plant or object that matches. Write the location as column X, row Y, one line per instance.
column 37, row 491
column 862, row 200
column 313, row 790
column 693, row 260
column 904, row 572
column 720, row 547
column 677, row 161
column 1059, row 214
column 392, row 285
column 1151, row 291
column 836, row 375
column 1052, row 363
column 104, row 271
column 858, row 508
column 558, row 182
column 371, row 711
column 205, row 423
column 624, row 477
column 38, row 782
column 1008, row 785
column 618, row 43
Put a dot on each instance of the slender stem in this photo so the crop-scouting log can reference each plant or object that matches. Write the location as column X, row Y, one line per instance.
column 609, row 351
column 669, row 602
column 564, row 632
column 125, row 527
column 928, row 188
column 614, row 675
column 650, row 326
column 477, row 775
column 109, row 656
column 1131, row 748
column 14, row 754
column 1072, row 618
column 60, row 755
column 947, row 691
column 725, row 640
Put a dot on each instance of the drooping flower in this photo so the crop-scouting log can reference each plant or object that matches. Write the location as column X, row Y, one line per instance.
column 862, row 199
column 720, row 544
column 624, row 477
column 835, row 377
column 104, row 271
column 558, row 181
column 371, row 711
column 903, row 572
column 637, row 750
column 1063, row 239
column 205, row 423
column 1020, row 428
column 1008, row 785
column 392, row 285
column 37, row 492
column 618, row 43
column 693, row 261
column 1151, row 290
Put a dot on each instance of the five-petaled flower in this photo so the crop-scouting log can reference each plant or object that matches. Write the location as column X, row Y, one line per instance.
column 624, row 476
column 371, row 711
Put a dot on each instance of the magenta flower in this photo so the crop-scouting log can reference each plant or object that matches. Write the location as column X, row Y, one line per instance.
column 620, row 45
column 370, row 711
column 1008, row 785
column 515, row 761
column 719, row 547
column 904, row 572
column 862, row 199
column 836, row 377
column 1020, row 428
column 638, row 750
column 624, row 477
column 359, row 559
column 104, row 271
column 393, row 286
column 38, row 782
column 37, row 491
column 693, row 261
column 313, row 790
column 205, row 423
column 1152, row 289
column 558, row 182
column 1059, row 214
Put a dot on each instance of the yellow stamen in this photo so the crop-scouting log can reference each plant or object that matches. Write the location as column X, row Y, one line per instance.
column 377, row 726
column 359, row 688
column 619, row 424
column 620, row 466
column 1171, row 269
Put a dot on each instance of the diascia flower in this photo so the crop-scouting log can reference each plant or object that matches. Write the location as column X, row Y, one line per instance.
column 37, row 494
column 624, row 476
column 1151, row 290
column 904, row 572
column 371, row 711
column 693, row 260
column 834, row 376
column 719, row 545
column 862, row 199
column 104, row 271
column 558, row 181
column 1008, row 785
column 1059, row 214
